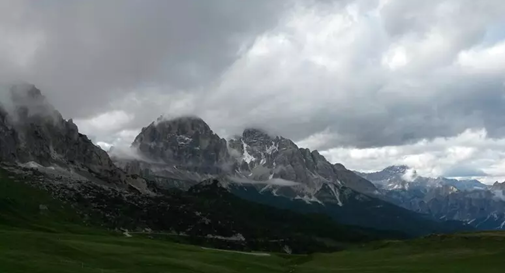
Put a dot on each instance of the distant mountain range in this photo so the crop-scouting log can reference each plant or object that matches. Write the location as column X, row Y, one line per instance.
column 470, row 201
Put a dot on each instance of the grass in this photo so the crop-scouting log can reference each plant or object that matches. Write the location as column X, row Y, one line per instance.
column 43, row 252
column 55, row 240
column 473, row 252
column 27, row 251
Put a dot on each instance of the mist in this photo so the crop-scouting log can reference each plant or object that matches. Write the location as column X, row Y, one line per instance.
column 273, row 181
column 24, row 100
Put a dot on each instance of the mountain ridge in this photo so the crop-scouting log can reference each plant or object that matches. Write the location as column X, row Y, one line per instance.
column 48, row 154
column 33, row 131
column 464, row 200
column 266, row 169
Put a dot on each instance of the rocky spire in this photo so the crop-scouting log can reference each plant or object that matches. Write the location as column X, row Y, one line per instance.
column 186, row 142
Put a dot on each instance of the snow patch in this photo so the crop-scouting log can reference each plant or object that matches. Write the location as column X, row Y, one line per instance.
column 309, row 200
column 31, row 165
column 247, row 157
column 274, row 192
column 502, row 225
column 336, row 194
column 263, row 159
column 183, row 140
column 265, row 188
column 273, row 148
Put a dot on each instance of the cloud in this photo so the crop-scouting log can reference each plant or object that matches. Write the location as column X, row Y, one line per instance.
column 106, row 122
column 87, row 54
column 273, row 181
column 463, row 171
column 373, row 82
column 471, row 154
column 23, row 99
column 122, row 152
column 410, row 175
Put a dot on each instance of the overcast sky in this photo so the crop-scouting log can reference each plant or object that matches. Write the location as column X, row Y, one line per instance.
column 369, row 83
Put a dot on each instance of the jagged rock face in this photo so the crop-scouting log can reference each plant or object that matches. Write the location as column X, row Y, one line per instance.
column 405, row 178
column 34, row 131
column 187, row 143
column 181, row 152
column 498, row 186
column 265, row 157
column 9, row 139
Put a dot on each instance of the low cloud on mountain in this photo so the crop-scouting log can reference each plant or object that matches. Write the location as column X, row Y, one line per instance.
column 273, row 181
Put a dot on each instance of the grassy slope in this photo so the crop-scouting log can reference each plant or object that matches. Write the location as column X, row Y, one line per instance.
column 472, row 252
column 23, row 251
column 20, row 208
column 54, row 241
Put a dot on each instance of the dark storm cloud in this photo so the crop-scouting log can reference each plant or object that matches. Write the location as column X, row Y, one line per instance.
column 332, row 73
column 91, row 52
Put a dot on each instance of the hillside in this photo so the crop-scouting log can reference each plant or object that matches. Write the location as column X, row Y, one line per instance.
column 206, row 215
column 54, row 238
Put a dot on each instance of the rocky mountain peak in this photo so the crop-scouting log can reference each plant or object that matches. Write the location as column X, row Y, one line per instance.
column 27, row 101
column 339, row 167
column 498, row 186
column 186, row 142
column 256, row 134
column 185, row 125
column 397, row 169
column 267, row 157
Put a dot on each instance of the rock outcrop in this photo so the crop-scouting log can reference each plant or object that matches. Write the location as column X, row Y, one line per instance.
column 32, row 131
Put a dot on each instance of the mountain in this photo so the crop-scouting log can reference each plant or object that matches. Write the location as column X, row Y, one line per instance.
column 44, row 157
column 263, row 157
column 403, row 177
column 266, row 169
column 176, row 154
column 34, row 133
column 186, row 142
column 183, row 151
column 497, row 186
column 450, row 199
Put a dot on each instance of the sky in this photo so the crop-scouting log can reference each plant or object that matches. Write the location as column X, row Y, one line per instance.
column 369, row 83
